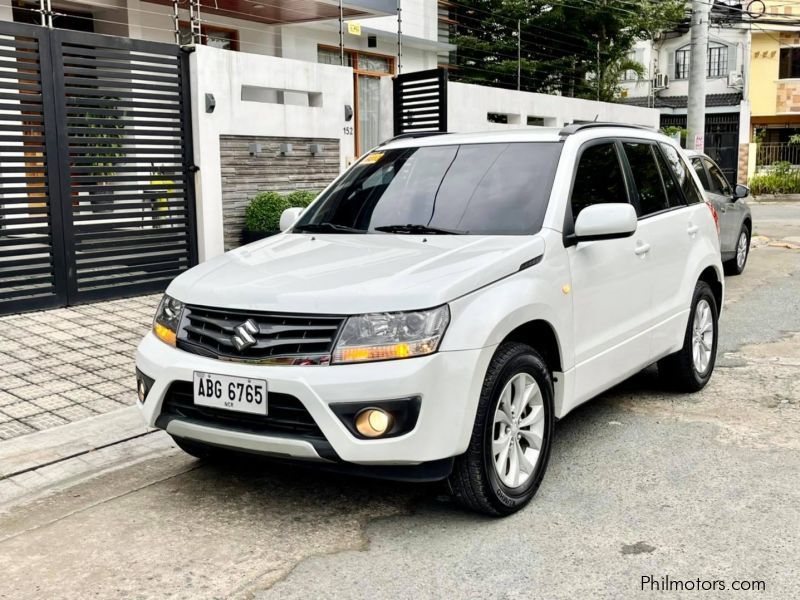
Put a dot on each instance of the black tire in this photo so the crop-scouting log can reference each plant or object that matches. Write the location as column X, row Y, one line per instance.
column 677, row 371
column 201, row 450
column 732, row 266
column 474, row 482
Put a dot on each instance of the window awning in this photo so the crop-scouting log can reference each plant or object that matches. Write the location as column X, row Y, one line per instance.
column 281, row 12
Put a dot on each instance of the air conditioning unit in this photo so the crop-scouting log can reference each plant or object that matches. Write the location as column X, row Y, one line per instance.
column 661, row 81
column 735, row 80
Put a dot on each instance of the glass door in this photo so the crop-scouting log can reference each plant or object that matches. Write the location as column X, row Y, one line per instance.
column 368, row 112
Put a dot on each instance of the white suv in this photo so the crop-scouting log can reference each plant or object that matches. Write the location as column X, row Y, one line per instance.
column 441, row 305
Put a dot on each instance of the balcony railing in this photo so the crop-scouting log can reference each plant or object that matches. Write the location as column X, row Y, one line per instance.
column 769, row 153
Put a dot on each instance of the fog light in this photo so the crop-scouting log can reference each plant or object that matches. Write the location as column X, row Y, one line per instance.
column 141, row 390
column 373, row 422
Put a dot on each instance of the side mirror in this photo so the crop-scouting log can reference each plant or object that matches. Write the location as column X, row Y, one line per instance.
column 740, row 191
column 605, row 222
column 289, row 217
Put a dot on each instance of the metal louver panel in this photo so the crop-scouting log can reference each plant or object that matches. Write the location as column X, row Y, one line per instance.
column 420, row 102
column 96, row 176
column 31, row 270
column 123, row 128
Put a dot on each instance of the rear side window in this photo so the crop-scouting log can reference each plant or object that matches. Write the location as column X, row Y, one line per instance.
column 690, row 191
column 718, row 180
column 674, row 195
column 647, row 177
column 697, row 165
column 598, row 178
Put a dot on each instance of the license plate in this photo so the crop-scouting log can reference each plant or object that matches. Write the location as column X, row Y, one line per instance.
column 231, row 393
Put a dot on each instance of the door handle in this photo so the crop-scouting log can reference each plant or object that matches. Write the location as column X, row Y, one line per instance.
column 692, row 229
column 641, row 249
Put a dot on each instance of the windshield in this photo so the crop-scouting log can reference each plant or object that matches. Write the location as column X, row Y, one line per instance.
column 479, row 189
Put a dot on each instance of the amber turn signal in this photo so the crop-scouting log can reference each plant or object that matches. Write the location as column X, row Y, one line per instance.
column 373, row 422
column 165, row 334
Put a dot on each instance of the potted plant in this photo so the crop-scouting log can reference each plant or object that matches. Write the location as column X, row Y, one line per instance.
column 262, row 216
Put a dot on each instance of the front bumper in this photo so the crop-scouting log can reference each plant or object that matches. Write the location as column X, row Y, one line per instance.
column 448, row 383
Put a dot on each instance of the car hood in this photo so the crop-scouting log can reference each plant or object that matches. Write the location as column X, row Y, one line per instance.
column 350, row 274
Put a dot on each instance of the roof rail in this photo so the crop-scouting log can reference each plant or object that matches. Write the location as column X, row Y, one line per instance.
column 576, row 127
column 412, row 135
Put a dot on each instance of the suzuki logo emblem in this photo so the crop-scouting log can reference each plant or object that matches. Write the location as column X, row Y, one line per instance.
column 243, row 335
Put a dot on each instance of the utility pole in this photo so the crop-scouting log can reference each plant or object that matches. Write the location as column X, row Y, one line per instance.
column 696, row 117
column 519, row 54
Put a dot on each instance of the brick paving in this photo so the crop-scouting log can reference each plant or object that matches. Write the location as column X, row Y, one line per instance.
column 59, row 366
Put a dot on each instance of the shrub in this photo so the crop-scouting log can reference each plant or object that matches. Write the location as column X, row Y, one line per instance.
column 781, row 178
column 302, row 198
column 264, row 212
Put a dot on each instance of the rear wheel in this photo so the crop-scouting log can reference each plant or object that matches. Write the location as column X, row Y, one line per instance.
column 510, row 446
column 736, row 265
column 689, row 369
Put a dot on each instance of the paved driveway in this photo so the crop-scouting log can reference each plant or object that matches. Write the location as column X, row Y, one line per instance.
column 64, row 365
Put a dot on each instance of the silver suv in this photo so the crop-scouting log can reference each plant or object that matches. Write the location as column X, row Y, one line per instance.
column 735, row 222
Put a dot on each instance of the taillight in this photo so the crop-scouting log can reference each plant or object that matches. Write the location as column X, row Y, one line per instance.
column 715, row 215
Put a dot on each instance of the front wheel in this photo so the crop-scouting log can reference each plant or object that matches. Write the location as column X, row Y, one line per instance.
column 736, row 265
column 510, row 445
column 689, row 369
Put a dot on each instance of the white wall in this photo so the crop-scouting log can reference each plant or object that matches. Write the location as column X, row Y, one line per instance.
column 468, row 105
column 420, row 19
column 223, row 74
column 5, row 11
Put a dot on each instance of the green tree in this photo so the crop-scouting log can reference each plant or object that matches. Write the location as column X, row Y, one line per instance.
column 572, row 47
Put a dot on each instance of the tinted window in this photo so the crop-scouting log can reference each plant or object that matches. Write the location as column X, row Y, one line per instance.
column 483, row 189
column 674, row 195
column 598, row 178
column 718, row 180
column 697, row 164
column 691, row 193
column 647, row 177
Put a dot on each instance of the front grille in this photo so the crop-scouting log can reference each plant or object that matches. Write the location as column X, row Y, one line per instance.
column 210, row 332
column 287, row 415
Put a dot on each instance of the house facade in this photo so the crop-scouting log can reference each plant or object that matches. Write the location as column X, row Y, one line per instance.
column 774, row 91
column 665, row 86
column 306, row 30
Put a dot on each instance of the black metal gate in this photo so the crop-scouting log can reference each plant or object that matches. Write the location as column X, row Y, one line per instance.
column 96, row 185
column 721, row 139
column 420, row 102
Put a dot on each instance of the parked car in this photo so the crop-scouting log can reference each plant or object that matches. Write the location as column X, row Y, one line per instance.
column 735, row 221
column 440, row 305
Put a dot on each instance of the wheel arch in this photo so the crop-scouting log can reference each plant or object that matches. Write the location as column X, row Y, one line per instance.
column 540, row 335
column 714, row 280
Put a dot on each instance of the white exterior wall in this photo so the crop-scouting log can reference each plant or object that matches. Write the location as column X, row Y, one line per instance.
column 658, row 57
column 420, row 19
column 468, row 105
column 223, row 74
column 5, row 11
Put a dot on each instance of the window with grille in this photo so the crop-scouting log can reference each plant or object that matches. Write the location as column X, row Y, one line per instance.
column 716, row 63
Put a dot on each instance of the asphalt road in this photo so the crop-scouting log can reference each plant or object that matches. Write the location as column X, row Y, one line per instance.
column 641, row 483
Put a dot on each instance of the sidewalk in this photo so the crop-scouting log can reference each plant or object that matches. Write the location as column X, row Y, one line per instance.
column 64, row 365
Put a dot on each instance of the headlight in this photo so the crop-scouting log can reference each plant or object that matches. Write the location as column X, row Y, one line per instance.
column 167, row 320
column 385, row 336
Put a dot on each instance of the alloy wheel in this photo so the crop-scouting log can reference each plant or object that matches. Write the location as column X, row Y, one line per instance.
column 702, row 336
column 741, row 250
column 517, row 430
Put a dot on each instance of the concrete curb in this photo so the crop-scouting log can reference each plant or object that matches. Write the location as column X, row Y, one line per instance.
column 36, row 450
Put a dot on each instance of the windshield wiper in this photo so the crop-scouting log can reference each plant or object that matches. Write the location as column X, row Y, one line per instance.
column 418, row 229
column 326, row 227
